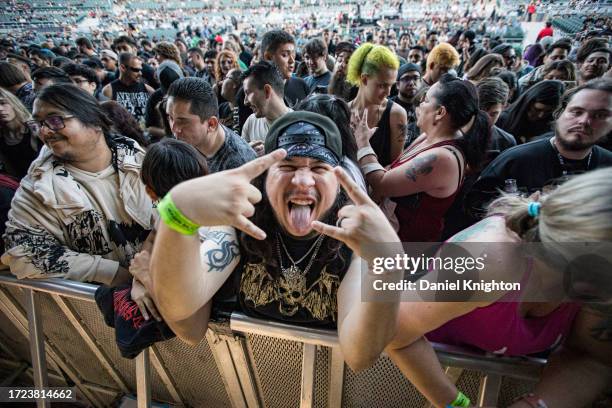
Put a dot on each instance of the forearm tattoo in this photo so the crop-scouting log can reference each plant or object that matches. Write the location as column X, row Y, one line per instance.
column 421, row 166
column 219, row 258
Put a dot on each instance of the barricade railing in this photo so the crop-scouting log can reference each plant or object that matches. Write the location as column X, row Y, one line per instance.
column 245, row 362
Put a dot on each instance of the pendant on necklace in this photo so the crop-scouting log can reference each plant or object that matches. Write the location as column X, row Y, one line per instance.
column 292, row 272
column 294, row 279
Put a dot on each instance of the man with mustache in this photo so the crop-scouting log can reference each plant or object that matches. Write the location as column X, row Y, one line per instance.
column 292, row 248
column 408, row 84
column 585, row 117
column 81, row 212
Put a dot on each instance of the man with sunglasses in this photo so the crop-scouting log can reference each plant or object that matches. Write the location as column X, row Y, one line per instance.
column 129, row 90
column 81, row 212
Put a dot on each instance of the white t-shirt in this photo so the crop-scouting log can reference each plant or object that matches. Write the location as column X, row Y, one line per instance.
column 256, row 129
column 124, row 239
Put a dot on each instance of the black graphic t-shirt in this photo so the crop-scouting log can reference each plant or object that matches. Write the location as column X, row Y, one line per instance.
column 534, row 166
column 132, row 97
column 307, row 299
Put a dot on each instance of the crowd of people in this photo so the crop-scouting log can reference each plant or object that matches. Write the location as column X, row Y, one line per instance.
column 219, row 173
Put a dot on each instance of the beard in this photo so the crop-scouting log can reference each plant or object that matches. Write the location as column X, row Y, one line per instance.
column 574, row 144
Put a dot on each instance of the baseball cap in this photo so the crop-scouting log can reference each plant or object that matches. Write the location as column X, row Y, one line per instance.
column 407, row 67
column 306, row 134
column 109, row 54
column 168, row 72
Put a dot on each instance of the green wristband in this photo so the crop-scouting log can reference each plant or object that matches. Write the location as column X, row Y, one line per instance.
column 461, row 401
column 174, row 219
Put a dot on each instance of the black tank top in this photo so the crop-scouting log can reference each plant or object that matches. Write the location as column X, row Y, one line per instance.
column 381, row 139
column 20, row 155
column 132, row 97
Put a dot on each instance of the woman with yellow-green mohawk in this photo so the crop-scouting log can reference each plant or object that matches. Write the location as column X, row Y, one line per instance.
column 373, row 68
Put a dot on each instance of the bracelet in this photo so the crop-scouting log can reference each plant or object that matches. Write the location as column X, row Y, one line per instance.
column 533, row 400
column 371, row 167
column 461, row 401
column 365, row 151
column 174, row 219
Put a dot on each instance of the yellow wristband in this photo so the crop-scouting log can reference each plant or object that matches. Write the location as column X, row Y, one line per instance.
column 174, row 219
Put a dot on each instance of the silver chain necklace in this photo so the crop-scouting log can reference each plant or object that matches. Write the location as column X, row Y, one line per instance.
column 294, row 269
column 562, row 160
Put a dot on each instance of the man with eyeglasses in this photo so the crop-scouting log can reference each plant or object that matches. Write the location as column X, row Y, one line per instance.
column 81, row 212
column 129, row 90
column 408, row 84
column 85, row 78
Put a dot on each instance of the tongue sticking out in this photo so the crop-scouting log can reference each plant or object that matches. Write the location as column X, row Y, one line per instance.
column 300, row 217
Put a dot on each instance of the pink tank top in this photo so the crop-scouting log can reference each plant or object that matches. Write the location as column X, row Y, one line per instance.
column 500, row 329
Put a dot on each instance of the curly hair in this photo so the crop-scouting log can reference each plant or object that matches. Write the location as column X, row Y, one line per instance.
column 169, row 51
column 368, row 59
column 225, row 53
column 443, row 55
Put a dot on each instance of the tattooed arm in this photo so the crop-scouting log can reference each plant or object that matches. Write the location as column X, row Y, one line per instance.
column 399, row 130
column 583, row 369
column 434, row 171
column 186, row 274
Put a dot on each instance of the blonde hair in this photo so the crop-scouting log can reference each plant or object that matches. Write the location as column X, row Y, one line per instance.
column 368, row 59
column 579, row 210
column 22, row 115
column 443, row 55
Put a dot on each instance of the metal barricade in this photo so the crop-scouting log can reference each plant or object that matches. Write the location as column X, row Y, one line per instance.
column 244, row 363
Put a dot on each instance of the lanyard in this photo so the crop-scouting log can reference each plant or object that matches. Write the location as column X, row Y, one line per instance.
column 562, row 160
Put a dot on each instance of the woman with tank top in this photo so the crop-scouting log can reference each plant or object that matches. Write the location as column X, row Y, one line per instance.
column 560, row 309
column 373, row 68
column 421, row 184
column 18, row 148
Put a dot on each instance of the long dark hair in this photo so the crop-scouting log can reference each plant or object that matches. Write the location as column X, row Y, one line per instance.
column 337, row 110
column 264, row 251
column 77, row 102
column 460, row 98
column 514, row 119
column 123, row 122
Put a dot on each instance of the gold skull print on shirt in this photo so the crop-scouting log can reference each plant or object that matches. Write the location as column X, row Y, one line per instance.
column 291, row 291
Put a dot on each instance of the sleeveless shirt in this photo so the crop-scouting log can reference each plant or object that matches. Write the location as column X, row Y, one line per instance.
column 381, row 139
column 132, row 97
column 421, row 216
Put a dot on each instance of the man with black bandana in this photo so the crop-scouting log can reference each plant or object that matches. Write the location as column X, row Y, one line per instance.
column 583, row 119
column 297, row 259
